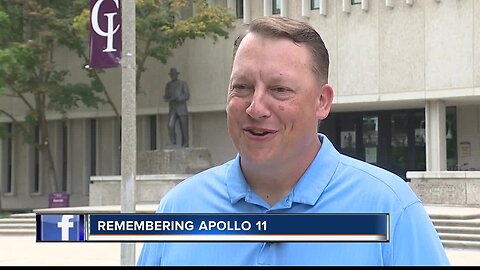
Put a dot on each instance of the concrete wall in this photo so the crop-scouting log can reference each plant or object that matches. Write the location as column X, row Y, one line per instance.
column 447, row 188
column 105, row 190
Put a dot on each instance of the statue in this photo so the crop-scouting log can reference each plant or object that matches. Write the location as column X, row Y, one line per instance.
column 177, row 94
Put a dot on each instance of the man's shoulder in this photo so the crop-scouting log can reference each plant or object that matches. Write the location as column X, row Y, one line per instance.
column 378, row 180
column 206, row 185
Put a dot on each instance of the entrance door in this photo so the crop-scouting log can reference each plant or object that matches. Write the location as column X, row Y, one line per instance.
column 393, row 140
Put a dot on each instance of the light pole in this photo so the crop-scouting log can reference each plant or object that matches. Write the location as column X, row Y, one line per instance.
column 129, row 135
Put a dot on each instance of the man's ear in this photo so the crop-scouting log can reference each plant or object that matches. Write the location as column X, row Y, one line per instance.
column 324, row 102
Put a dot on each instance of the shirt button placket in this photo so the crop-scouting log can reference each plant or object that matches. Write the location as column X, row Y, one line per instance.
column 265, row 255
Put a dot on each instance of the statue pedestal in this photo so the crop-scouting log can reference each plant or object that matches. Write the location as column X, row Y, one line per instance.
column 174, row 161
column 157, row 172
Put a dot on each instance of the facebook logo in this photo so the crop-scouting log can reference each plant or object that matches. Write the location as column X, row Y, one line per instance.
column 60, row 228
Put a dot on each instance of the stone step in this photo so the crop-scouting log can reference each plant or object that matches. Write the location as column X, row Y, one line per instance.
column 23, row 215
column 457, row 222
column 458, row 229
column 460, row 244
column 16, row 220
column 17, row 231
column 453, row 216
column 460, row 237
column 17, row 225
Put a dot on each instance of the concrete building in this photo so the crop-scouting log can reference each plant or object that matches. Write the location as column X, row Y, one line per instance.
column 406, row 75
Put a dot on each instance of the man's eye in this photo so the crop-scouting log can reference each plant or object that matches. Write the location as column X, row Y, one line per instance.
column 282, row 93
column 240, row 87
column 280, row 89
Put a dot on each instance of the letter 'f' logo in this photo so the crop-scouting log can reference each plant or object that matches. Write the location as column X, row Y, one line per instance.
column 111, row 29
column 65, row 225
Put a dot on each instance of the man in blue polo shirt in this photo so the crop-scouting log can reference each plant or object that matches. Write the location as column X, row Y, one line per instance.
column 278, row 93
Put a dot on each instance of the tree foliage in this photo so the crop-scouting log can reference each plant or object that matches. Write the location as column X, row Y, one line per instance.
column 31, row 31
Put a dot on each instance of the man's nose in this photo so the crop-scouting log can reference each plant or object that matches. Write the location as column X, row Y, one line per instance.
column 258, row 107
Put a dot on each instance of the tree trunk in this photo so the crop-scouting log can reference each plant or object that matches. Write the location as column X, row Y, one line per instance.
column 46, row 153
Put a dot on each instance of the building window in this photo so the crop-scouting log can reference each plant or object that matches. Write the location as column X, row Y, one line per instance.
column 153, row 132
column 7, row 160
column 451, row 137
column 356, row 2
column 239, row 9
column 389, row 139
column 64, row 157
column 314, row 4
column 36, row 161
column 276, row 4
column 93, row 147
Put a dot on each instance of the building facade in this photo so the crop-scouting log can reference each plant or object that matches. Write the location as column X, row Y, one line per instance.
column 406, row 76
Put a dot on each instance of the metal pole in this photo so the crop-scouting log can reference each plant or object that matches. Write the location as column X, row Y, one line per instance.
column 129, row 136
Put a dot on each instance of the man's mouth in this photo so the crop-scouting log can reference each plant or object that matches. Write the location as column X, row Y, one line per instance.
column 259, row 132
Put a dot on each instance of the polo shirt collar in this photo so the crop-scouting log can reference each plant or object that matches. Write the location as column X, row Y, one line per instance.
column 237, row 186
column 317, row 176
column 309, row 187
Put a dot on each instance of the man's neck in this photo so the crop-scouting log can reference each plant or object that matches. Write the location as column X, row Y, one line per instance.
column 273, row 182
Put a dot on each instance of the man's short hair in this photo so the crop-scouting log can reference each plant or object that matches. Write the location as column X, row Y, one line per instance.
column 298, row 32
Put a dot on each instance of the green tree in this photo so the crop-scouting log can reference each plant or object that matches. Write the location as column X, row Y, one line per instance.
column 30, row 32
column 32, row 29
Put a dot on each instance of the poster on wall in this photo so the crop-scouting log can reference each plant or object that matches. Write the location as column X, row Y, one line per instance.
column 371, row 154
column 347, row 139
column 465, row 149
column 419, row 136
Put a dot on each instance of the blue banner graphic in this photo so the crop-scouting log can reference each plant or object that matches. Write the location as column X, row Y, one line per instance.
column 239, row 227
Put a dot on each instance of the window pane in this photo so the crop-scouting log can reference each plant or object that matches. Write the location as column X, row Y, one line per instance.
column 276, row 4
column 399, row 144
column 314, row 4
column 370, row 138
column 239, row 9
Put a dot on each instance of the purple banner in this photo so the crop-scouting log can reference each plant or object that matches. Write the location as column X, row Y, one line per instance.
column 105, row 33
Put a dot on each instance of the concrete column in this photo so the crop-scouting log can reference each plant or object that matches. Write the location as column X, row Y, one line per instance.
column 364, row 5
column 306, row 8
column 323, row 7
column 346, row 6
column 284, row 8
column 232, row 5
column 267, row 7
column 194, row 9
column 86, row 144
column 247, row 15
column 389, row 3
column 436, row 144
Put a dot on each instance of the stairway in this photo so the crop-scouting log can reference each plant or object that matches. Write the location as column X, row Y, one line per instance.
column 457, row 231
column 18, row 224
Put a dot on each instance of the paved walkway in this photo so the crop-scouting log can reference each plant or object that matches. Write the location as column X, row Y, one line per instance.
column 23, row 250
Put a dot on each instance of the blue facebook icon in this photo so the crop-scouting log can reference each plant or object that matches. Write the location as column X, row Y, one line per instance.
column 60, row 228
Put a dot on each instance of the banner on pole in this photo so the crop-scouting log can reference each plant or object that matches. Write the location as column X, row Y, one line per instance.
column 105, row 33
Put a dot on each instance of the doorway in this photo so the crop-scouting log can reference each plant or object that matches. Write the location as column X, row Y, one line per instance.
column 394, row 140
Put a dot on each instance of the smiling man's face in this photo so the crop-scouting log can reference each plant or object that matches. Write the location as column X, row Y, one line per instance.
column 274, row 100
